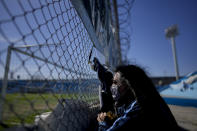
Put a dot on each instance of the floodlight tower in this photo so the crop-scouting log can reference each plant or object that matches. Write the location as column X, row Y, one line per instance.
column 171, row 33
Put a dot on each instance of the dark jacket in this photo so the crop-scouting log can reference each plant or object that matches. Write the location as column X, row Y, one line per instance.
column 137, row 118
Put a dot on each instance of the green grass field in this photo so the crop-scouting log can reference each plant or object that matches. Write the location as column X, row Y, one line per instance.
column 22, row 108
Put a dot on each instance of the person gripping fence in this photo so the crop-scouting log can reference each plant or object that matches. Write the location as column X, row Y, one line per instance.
column 130, row 101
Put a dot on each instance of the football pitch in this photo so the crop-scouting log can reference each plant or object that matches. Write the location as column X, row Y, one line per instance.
column 22, row 108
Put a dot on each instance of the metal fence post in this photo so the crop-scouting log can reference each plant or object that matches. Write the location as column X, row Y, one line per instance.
column 5, row 81
column 78, row 4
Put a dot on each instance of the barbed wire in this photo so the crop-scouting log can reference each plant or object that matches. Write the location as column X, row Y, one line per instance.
column 124, row 13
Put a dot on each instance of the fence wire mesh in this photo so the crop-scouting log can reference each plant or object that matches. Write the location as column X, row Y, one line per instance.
column 45, row 76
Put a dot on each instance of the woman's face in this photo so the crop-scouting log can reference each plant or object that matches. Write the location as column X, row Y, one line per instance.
column 119, row 86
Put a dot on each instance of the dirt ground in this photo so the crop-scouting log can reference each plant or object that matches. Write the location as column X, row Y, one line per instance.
column 185, row 116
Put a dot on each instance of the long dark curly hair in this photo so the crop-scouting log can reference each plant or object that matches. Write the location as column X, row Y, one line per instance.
column 140, row 83
column 147, row 96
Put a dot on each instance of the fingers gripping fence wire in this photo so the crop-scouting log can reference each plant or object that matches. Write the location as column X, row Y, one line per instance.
column 45, row 78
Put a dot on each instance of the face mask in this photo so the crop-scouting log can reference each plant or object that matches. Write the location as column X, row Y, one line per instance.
column 115, row 92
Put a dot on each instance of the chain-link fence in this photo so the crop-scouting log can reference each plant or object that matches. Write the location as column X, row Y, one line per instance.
column 45, row 78
column 45, row 49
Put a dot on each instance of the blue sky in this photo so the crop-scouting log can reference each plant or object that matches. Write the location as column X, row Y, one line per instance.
column 149, row 47
column 49, row 23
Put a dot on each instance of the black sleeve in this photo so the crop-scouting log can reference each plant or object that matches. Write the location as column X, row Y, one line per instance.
column 105, row 94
